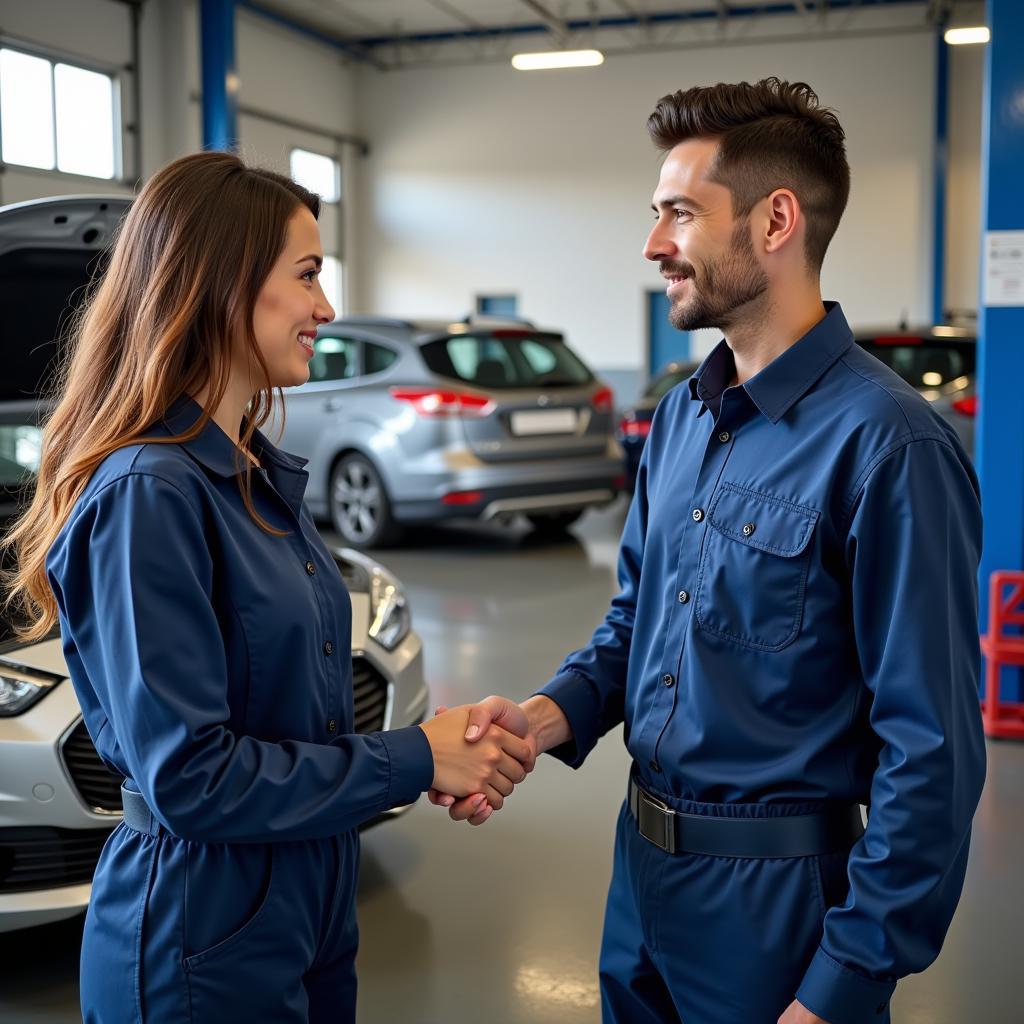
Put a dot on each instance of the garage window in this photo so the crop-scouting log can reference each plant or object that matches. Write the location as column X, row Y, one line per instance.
column 57, row 116
column 320, row 174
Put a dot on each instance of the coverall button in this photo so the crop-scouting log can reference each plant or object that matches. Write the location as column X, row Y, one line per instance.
column 332, row 725
column 698, row 514
column 310, row 568
column 684, row 596
column 655, row 767
column 724, row 436
column 667, row 679
column 328, row 648
column 749, row 528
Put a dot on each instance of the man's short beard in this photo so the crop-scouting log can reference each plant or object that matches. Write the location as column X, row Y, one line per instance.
column 728, row 284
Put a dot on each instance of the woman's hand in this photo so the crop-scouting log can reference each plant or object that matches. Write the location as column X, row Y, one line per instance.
column 492, row 765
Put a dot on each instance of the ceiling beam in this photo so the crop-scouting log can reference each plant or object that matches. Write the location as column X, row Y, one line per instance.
column 556, row 26
column 455, row 14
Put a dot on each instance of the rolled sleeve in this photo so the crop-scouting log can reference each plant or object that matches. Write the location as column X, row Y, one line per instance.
column 913, row 550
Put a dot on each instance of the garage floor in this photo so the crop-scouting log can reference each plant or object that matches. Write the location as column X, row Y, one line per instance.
column 502, row 924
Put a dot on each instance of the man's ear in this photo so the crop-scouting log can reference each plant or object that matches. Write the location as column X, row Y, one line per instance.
column 785, row 220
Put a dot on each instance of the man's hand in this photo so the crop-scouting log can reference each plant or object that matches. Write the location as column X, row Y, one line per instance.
column 538, row 721
column 492, row 711
column 492, row 765
column 797, row 1013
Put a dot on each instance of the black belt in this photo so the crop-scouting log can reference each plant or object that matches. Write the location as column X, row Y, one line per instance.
column 797, row 835
column 137, row 814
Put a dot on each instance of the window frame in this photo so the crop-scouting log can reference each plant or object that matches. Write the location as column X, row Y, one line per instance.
column 54, row 57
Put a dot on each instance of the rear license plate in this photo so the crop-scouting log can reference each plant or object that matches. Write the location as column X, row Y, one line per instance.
column 544, row 421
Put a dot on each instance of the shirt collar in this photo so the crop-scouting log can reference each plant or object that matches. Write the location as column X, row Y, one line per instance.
column 788, row 377
column 215, row 450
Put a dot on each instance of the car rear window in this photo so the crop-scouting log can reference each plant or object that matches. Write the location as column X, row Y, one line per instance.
column 507, row 359
column 924, row 364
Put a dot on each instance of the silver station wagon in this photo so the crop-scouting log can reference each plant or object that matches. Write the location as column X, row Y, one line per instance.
column 410, row 421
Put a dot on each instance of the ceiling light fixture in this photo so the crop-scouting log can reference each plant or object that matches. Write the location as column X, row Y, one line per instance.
column 557, row 59
column 966, row 36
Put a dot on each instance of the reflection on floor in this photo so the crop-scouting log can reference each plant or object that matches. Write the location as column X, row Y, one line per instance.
column 501, row 924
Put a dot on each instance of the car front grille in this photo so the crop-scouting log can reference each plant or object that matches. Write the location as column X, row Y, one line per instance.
column 98, row 787
column 45, row 858
column 370, row 691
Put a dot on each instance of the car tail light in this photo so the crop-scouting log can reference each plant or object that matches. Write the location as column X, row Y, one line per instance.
column 634, row 428
column 967, row 406
column 603, row 400
column 463, row 498
column 441, row 402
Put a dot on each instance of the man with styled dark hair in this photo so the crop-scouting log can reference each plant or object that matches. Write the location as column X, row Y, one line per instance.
column 796, row 633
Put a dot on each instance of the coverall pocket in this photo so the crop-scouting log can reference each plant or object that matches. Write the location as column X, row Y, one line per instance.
column 753, row 571
column 227, row 890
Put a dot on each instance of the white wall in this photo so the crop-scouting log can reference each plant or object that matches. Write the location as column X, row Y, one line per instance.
column 485, row 179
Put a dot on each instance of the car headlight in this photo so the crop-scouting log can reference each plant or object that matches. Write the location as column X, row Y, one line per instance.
column 390, row 618
column 20, row 689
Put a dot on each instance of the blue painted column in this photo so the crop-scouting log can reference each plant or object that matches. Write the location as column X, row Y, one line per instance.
column 1000, row 435
column 941, row 177
column 220, row 80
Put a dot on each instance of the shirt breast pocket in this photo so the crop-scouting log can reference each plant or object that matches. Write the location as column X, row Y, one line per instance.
column 753, row 571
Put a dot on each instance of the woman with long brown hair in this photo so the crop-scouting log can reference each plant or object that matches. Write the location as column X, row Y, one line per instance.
column 205, row 626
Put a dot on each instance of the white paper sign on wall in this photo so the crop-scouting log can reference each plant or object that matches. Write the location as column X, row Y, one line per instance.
column 1004, row 268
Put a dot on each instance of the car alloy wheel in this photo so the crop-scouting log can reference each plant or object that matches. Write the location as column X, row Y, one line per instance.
column 360, row 508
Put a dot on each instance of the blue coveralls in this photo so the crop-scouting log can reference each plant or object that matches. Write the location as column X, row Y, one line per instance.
column 213, row 664
column 797, row 625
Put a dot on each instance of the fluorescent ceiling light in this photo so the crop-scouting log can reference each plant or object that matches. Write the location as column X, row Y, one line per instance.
column 965, row 36
column 557, row 59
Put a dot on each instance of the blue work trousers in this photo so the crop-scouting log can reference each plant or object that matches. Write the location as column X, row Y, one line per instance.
column 183, row 932
column 693, row 939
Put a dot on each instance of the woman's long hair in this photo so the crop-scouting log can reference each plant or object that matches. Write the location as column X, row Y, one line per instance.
column 186, row 267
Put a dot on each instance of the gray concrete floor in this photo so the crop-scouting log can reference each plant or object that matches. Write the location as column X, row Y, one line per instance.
column 502, row 923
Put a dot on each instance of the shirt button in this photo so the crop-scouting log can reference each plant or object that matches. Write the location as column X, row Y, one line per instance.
column 310, row 568
column 724, row 436
column 748, row 529
column 328, row 648
column 655, row 767
column 698, row 514
column 332, row 725
column 667, row 679
column 684, row 596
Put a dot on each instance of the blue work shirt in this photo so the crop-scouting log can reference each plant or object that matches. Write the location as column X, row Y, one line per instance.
column 212, row 659
column 797, row 623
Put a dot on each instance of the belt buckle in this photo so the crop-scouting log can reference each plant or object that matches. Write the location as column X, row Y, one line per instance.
column 654, row 821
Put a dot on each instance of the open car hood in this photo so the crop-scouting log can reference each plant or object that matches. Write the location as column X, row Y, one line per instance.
column 50, row 249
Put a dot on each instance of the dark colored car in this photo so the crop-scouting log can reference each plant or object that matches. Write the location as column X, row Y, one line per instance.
column 635, row 421
column 939, row 362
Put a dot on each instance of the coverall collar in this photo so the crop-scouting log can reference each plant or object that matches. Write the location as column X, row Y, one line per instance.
column 786, row 379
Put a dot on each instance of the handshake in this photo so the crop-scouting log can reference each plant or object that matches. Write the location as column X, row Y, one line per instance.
column 483, row 751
